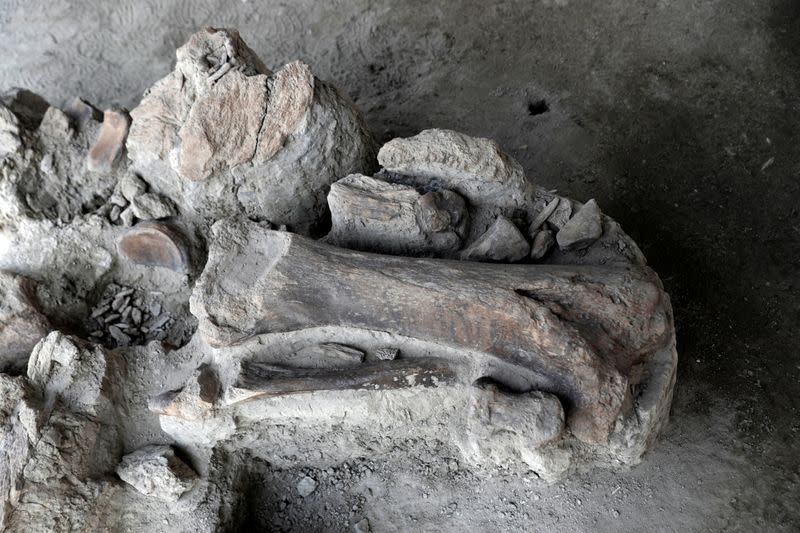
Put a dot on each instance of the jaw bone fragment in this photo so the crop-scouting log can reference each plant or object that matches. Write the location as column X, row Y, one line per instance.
column 553, row 325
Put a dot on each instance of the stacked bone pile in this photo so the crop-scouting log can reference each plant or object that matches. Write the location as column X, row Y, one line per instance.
column 233, row 272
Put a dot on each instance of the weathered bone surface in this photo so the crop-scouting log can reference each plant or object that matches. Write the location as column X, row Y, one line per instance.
column 158, row 244
column 530, row 317
column 185, row 333
column 21, row 323
column 475, row 168
column 370, row 214
column 222, row 133
column 18, row 423
column 109, row 145
column 503, row 427
column 156, row 471
column 490, row 180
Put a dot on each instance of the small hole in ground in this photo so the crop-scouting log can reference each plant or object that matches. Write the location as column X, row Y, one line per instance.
column 537, row 108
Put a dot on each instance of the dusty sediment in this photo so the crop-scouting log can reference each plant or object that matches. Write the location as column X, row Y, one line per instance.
column 232, row 273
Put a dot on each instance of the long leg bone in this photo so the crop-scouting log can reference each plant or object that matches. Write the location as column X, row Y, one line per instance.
column 259, row 380
column 558, row 322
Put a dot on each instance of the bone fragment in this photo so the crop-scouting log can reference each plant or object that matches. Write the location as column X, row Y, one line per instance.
column 555, row 324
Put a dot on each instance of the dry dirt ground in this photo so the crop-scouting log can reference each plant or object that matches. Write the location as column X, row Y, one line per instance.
column 681, row 117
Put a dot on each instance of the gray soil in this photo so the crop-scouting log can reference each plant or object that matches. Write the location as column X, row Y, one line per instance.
column 681, row 118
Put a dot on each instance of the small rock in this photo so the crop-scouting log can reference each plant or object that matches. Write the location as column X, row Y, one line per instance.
column 386, row 354
column 121, row 338
column 542, row 242
column 501, row 242
column 151, row 206
column 156, row 471
column 306, row 486
column 159, row 321
column 362, row 526
column 66, row 369
column 109, row 144
column 113, row 216
column 117, row 200
column 582, row 229
column 55, row 124
column 561, row 214
column 126, row 217
column 82, row 112
column 130, row 186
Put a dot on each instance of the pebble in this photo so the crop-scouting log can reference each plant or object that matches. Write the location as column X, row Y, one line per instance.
column 362, row 526
column 127, row 217
column 561, row 214
column 306, row 486
column 130, row 186
column 119, row 336
column 151, row 206
column 160, row 321
column 127, row 312
column 117, row 200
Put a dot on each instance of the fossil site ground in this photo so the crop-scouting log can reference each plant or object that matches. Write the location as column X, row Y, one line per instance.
column 383, row 266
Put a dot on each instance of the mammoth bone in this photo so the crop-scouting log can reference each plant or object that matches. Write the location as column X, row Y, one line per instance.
column 574, row 331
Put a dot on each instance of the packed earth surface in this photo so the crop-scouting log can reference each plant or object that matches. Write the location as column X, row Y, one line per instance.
column 680, row 119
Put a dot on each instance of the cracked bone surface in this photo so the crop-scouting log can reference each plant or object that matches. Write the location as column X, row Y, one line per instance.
column 223, row 133
column 528, row 317
column 162, row 345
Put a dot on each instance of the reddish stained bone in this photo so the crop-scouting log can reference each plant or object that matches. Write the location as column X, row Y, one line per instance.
column 290, row 99
column 260, row 281
column 108, row 146
column 156, row 244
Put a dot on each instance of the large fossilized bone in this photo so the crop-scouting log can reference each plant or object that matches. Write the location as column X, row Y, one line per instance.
column 557, row 325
